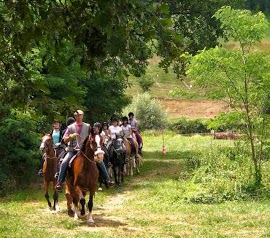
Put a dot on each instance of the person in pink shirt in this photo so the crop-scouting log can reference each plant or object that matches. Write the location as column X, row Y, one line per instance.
column 74, row 137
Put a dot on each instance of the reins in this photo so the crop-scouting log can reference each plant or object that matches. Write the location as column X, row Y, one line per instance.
column 87, row 157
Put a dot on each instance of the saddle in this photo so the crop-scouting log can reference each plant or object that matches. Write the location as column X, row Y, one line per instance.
column 73, row 158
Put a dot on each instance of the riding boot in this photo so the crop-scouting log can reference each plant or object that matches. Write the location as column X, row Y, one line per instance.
column 40, row 172
column 109, row 184
column 59, row 187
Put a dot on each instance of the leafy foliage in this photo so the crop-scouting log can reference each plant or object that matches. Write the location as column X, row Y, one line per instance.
column 19, row 155
column 146, row 83
column 189, row 126
column 241, row 75
column 104, row 97
column 196, row 27
column 148, row 112
column 227, row 122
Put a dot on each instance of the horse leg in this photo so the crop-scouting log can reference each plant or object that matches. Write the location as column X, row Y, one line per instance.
column 119, row 173
column 130, row 165
column 55, row 202
column 115, row 174
column 69, row 202
column 81, row 199
column 138, row 163
column 46, row 185
column 122, row 172
column 69, row 205
column 90, row 219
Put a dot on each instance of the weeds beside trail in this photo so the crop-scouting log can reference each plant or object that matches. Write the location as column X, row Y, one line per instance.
column 147, row 205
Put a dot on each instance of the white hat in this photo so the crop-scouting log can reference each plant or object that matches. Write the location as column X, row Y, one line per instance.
column 78, row 112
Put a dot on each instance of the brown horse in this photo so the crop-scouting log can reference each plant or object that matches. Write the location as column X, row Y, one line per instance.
column 82, row 177
column 49, row 169
column 132, row 161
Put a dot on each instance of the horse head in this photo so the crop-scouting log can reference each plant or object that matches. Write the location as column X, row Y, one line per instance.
column 95, row 145
column 118, row 144
column 46, row 143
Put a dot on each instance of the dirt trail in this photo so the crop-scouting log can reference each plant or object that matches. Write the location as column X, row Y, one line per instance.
column 109, row 217
column 193, row 108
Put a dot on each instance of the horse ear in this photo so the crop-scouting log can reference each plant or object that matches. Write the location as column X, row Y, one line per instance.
column 43, row 133
column 92, row 133
column 51, row 132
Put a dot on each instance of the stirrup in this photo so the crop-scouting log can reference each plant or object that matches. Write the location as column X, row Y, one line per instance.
column 56, row 175
column 59, row 187
column 40, row 172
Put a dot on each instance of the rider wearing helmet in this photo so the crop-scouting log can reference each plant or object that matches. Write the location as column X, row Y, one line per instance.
column 134, row 127
column 57, row 135
column 129, row 134
column 97, row 128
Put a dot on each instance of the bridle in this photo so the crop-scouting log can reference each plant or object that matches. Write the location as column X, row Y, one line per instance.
column 97, row 150
column 44, row 147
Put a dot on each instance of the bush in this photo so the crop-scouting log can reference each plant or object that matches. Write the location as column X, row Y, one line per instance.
column 227, row 122
column 146, row 83
column 189, row 126
column 148, row 112
column 224, row 174
column 18, row 150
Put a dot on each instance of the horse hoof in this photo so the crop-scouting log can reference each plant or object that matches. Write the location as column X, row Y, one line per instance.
column 71, row 213
column 82, row 217
column 57, row 208
column 90, row 222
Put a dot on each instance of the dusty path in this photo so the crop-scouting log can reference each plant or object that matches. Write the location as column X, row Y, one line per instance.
column 193, row 108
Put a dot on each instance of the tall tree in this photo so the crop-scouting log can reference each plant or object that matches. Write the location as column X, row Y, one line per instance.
column 241, row 75
column 193, row 19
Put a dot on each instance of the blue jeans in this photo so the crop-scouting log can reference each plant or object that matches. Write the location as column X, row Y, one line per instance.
column 104, row 170
column 64, row 165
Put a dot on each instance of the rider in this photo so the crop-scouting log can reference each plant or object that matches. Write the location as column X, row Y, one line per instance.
column 63, row 145
column 57, row 135
column 134, row 127
column 105, row 132
column 74, row 136
column 115, row 130
column 129, row 134
column 98, row 131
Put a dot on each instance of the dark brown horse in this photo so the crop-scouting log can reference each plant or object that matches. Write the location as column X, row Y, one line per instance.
column 82, row 178
column 49, row 169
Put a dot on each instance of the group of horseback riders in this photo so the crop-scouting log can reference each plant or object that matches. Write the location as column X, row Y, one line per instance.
column 68, row 142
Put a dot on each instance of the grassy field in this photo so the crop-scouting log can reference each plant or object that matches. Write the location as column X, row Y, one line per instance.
column 166, row 82
column 148, row 205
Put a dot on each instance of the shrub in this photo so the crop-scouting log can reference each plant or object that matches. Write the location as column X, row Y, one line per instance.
column 18, row 150
column 146, row 83
column 224, row 174
column 227, row 122
column 148, row 112
column 189, row 126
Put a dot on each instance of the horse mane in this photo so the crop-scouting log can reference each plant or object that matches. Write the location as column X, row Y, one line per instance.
column 86, row 139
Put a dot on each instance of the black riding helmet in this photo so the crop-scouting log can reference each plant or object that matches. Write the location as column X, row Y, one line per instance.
column 98, row 125
column 70, row 120
column 104, row 123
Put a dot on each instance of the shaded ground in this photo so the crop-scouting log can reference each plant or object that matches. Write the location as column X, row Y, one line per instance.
column 193, row 108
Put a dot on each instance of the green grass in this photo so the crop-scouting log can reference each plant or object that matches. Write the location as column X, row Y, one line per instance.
column 163, row 82
column 166, row 82
column 148, row 205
